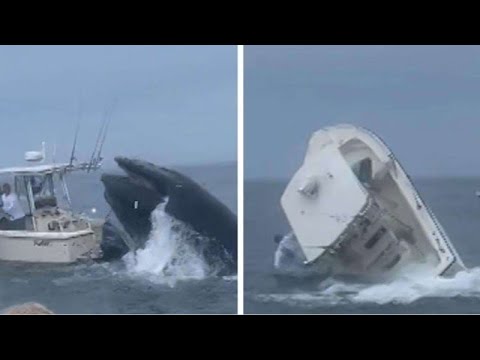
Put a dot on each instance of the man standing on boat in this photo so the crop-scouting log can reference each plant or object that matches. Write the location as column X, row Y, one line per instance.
column 15, row 216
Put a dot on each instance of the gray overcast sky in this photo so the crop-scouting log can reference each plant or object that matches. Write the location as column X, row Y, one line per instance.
column 176, row 104
column 424, row 101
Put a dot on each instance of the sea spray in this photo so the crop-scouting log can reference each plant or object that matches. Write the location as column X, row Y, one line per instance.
column 410, row 288
column 173, row 252
column 404, row 290
column 288, row 255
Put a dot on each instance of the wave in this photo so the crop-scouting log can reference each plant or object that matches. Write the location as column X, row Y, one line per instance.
column 404, row 290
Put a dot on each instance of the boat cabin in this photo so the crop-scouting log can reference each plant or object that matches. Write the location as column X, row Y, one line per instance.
column 43, row 194
column 52, row 232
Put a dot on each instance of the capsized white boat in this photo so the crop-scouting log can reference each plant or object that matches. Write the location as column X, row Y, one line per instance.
column 354, row 210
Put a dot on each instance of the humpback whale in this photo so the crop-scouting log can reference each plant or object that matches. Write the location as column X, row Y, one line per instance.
column 134, row 196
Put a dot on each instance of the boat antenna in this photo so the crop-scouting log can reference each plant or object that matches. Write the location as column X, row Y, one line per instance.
column 54, row 154
column 44, row 152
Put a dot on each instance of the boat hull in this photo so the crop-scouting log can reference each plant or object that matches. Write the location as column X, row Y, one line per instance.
column 61, row 248
column 354, row 211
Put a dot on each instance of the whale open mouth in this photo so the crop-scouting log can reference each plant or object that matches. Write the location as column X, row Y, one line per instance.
column 132, row 198
column 136, row 194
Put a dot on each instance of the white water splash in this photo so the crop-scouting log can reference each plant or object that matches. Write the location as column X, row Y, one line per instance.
column 404, row 290
column 409, row 289
column 289, row 255
column 167, row 257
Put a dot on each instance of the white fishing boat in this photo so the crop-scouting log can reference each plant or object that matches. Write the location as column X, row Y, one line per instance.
column 52, row 232
column 354, row 210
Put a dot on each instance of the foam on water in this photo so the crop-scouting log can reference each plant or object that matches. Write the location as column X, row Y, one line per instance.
column 413, row 283
column 409, row 289
column 230, row 278
column 404, row 290
column 168, row 256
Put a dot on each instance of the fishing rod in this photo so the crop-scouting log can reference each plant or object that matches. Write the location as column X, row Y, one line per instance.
column 99, row 154
column 92, row 158
column 74, row 147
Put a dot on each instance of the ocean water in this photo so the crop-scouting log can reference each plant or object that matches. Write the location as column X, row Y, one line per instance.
column 452, row 200
column 134, row 284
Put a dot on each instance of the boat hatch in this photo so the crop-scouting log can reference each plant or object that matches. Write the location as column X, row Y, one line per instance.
column 322, row 199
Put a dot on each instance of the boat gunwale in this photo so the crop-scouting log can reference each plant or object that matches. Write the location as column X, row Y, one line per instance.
column 57, row 236
column 455, row 256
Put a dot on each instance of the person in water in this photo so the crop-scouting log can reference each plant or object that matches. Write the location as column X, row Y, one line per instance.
column 14, row 216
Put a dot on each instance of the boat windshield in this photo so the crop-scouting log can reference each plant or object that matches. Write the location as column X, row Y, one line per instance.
column 363, row 171
column 41, row 191
column 61, row 192
column 21, row 189
column 41, row 187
